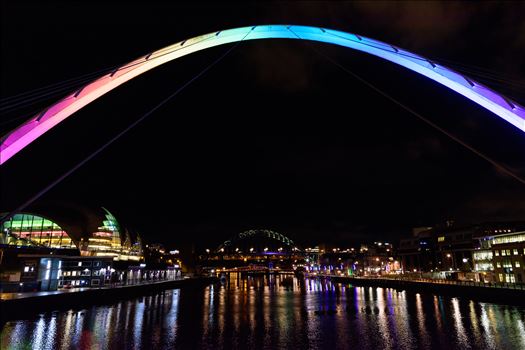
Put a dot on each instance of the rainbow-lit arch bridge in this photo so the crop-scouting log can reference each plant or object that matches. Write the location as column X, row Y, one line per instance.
column 23, row 135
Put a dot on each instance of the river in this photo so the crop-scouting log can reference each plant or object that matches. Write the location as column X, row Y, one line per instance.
column 275, row 312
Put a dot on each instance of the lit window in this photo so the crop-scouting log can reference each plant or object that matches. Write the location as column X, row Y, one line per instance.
column 503, row 253
column 501, row 277
column 496, row 252
column 26, row 269
column 517, row 264
column 515, row 252
column 508, row 251
column 498, row 264
column 509, row 278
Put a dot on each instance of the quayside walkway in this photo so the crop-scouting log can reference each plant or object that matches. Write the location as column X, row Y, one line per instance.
column 11, row 296
column 14, row 305
column 496, row 285
column 506, row 293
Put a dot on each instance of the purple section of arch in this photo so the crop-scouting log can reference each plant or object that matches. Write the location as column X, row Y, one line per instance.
column 23, row 135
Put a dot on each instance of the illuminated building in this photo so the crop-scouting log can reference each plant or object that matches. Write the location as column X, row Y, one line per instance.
column 92, row 232
column 111, row 240
column 26, row 229
column 49, row 272
column 86, row 271
column 378, row 258
column 487, row 252
column 508, row 255
column 39, row 273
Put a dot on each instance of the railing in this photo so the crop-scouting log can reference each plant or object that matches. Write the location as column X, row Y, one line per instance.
column 519, row 286
column 134, row 282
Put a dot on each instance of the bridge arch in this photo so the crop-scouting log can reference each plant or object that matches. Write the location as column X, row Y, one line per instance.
column 257, row 237
column 26, row 133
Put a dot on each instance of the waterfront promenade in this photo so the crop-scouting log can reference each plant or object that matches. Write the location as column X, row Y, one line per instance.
column 14, row 304
column 506, row 293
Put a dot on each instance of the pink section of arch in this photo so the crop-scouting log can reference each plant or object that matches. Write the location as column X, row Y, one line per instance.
column 23, row 135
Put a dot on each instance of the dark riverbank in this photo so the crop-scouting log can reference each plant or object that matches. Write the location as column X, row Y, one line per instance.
column 274, row 312
column 488, row 294
column 31, row 303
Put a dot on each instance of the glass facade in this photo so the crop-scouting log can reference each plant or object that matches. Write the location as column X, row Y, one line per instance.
column 509, row 239
column 508, row 257
column 111, row 241
column 32, row 230
column 106, row 240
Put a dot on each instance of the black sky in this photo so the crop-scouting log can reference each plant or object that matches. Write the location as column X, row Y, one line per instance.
column 274, row 136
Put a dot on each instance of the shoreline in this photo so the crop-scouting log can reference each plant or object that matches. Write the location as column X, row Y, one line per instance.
column 25, row 304
column 20, row 305
column 505, row 296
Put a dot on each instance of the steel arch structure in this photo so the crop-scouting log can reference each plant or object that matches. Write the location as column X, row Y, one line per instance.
column 258, row 233
column 26, row 133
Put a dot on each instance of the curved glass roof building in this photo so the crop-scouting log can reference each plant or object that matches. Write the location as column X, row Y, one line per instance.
column 92, row 232
column 26, row 229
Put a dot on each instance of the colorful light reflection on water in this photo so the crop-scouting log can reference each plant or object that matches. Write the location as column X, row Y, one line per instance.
column 276, row 312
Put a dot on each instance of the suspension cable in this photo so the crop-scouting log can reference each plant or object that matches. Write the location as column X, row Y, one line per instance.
column 119, row 135
column 416, row 114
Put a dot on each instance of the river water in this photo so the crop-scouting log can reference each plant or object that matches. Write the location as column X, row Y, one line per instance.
column 279, row 312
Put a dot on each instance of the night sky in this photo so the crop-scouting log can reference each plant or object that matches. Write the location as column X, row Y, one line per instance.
column 274, row 136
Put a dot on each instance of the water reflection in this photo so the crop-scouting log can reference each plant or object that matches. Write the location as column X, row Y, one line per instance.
column 276, row 312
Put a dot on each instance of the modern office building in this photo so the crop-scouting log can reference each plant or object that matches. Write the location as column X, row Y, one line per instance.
column 49, row 272
column 487, row 252
column 82, row 271
column 508, row 254
column 39, row 273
